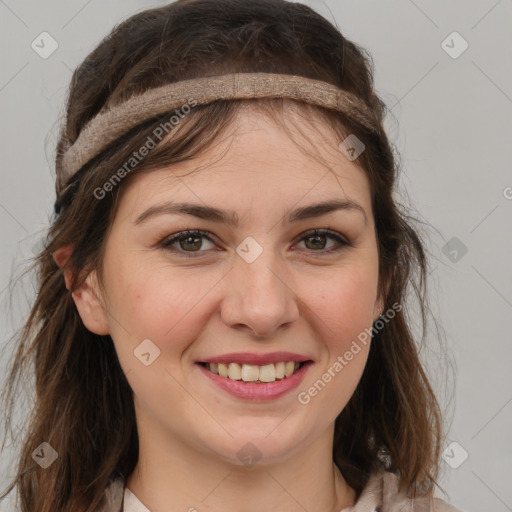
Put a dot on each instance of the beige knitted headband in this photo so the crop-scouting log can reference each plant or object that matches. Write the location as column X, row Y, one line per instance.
column 113, row 122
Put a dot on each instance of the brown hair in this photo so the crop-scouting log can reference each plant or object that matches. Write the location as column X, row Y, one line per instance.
column 83, row 405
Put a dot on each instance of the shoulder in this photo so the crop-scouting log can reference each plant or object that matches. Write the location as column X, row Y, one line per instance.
column 442, row 506
column 382, row 493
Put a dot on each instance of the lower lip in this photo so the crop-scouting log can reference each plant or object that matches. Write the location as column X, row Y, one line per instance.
column 257, row 392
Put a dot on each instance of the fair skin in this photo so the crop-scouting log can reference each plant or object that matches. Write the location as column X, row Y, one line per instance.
column 293, row 297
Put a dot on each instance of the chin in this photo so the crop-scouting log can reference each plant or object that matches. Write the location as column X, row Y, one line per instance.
column 252, row 444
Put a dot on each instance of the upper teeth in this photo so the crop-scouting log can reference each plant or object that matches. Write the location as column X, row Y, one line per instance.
column 252, row 372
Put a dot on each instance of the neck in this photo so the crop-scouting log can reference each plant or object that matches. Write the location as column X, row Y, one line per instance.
column 173, row 474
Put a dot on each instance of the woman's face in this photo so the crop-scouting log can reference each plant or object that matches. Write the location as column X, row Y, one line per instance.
column 256, row 284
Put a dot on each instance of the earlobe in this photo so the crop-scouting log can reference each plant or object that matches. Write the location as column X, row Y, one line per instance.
column 378, row 309
column 88, row 301
column 61, row 257
column 87, row 296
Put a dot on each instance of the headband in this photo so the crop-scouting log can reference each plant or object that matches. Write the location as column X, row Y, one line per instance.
column 110, row 123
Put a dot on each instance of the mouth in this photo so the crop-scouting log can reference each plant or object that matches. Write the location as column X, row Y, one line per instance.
column 255, row 374
column 252, row 382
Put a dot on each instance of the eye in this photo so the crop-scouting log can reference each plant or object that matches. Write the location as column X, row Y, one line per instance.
column 185, row 243
column 188, row 241
column 315, row 240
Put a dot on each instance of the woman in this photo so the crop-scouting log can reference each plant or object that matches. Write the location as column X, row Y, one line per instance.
column 221, row 320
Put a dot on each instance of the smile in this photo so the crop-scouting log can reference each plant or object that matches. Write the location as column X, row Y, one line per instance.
column 255, row 373
column 254, row 382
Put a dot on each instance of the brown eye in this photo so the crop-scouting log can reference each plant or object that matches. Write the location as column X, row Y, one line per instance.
column 316, row 241
column 193, row 243
column 188, row 242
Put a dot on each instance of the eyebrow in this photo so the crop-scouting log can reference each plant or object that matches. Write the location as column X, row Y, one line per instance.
column 231, row 218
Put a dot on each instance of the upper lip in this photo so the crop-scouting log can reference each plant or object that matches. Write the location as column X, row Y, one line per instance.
column 256, row 359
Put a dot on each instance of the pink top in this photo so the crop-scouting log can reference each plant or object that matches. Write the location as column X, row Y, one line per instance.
column 132, row 503
column 379, row 495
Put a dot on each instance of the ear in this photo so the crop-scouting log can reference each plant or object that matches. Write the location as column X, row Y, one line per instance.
column 87, row 296
column 61, row 257
column 378, row 308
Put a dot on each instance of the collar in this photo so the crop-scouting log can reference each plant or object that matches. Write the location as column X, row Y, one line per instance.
column 379, row 495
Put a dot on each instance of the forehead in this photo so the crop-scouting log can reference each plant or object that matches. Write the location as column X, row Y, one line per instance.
column 257, row 162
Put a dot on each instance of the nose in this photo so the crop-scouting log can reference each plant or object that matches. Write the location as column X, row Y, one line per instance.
column 260, row 297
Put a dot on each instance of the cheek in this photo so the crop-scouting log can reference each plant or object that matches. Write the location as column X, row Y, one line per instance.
column 345, row 306
column 159, row 305
column 344, row 316
column 344, row 302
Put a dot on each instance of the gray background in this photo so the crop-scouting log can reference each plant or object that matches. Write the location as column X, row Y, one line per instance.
column 451, row 123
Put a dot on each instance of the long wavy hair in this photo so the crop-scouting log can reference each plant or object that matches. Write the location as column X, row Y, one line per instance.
column 83, row 404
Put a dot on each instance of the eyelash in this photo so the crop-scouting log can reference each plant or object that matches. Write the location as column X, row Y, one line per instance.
column 166, row 244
